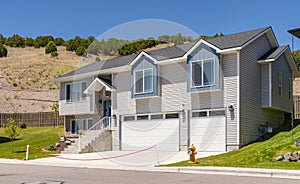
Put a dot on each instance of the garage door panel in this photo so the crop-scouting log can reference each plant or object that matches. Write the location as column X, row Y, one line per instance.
column 208, row 133
column 141, row 134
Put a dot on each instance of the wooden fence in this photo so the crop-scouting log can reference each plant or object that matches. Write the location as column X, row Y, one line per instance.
column 296, row 107
column 33, row 119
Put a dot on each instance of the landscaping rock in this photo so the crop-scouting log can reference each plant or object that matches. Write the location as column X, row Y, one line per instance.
column 57, row 144
column 293, row 159
column 68, row 142
column 280, row 158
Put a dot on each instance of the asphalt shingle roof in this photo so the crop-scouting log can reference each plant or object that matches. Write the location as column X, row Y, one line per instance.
column 273, row 53
column 223, row 42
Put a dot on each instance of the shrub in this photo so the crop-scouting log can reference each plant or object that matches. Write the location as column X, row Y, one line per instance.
column 52, row 148
column 15, row 41
column 42, row 41
column 59, row 41
column 29, row 42
column 3, row 51
column 2, row 39
column 97, row 59
column 50, row 47
column 80, row 51
column 23, row 124
column 54, row 54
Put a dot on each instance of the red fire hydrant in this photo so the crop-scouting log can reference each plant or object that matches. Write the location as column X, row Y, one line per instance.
column 192, row 152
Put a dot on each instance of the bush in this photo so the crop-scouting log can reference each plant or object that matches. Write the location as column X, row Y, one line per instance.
column 54, row 54
column 52, row 148
column 15, row 41
column 2, row 39
column 80, row 51
column 50, row 47
column 59, row 41
column 29, row 42
column 98, row 59
column 3, row 51
column 42, row 41
column 23, row 124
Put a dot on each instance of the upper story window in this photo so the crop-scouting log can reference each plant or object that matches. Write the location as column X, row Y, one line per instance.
column 280, row 83
column 74, row 92
column 203, row 73
column 143, row 81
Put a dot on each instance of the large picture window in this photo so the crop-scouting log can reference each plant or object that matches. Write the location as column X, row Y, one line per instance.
column 74, row 92
column 143, row 81
column 203, row 73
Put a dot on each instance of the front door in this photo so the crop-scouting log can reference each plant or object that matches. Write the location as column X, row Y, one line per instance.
column 107, row 108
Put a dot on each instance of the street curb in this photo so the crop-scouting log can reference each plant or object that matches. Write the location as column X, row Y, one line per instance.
column 254, row 172
column 233, row 171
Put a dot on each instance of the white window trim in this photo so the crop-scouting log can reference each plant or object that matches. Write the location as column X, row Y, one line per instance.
column 81, row 92
column 202, row 73
column 280, row 83
column 134, row 78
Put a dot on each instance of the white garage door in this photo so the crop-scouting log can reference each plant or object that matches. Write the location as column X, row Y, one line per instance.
column 142, row 134
column 208, row 133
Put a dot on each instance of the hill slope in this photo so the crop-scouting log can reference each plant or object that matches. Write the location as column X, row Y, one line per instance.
column 26, row 74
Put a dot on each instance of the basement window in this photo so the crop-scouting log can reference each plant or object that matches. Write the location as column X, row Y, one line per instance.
column 129, row 118
column 157, row 116
column 173, row 115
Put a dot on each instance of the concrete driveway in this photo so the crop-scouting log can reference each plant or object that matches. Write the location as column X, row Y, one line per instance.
column 113, row 159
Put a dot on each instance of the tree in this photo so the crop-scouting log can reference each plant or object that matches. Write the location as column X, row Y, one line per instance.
column 2, row 39
column 11, row 130
column 42, row 41
column 15, row 41
column 3, row 51
column 80, row 51
column 59, row 41
column 296, row 55
column 50, row 47
column 55, row 108
column 29, row 42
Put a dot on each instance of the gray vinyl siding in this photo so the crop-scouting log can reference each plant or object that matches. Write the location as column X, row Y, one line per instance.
column 75, row 108
column 230, row 74
column 123, row 103
column 265, row 86
column 281, row 102
column 251, row 113
column 173, row 82
column 207, row 100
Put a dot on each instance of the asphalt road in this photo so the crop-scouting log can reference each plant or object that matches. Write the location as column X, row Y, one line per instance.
column 17, row 174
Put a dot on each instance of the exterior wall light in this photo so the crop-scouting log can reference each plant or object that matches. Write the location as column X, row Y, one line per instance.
column 230, row 108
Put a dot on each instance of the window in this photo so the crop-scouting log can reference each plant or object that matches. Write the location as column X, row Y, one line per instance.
column 129, row 118
column 74, row 92
column 280, row 83
column 173, row 115
column 142, row 117
column 203, row 73
column 290, row 88
column 143, row 81
column 199, row 114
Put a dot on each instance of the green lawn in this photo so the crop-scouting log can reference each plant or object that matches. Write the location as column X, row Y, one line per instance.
column 260, row 154
column 36, row 137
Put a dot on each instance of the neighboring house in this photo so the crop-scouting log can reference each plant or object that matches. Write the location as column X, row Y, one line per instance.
column 296, row 82
column 218, row 93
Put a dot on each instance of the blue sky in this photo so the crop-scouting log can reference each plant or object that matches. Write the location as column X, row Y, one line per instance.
column 90, row 17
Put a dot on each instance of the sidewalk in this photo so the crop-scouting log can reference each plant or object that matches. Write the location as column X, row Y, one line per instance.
column 146, row 161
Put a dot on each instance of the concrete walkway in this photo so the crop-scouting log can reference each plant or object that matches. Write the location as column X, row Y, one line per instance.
column 146, row 161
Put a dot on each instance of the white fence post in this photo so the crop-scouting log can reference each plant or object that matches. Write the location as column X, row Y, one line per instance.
column 27, row 152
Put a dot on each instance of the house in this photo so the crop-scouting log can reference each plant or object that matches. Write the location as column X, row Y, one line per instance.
column 296, row 83
column 218, row 94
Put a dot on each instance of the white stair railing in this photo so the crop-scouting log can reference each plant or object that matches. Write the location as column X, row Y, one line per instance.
column 93, row 132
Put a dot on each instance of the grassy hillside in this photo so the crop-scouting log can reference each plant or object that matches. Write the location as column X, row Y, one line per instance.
column 36, row 137
column 260, row 154
column 26, row 74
